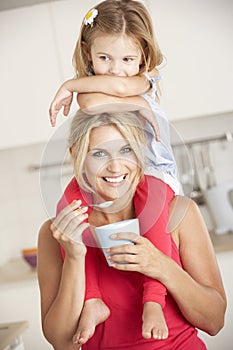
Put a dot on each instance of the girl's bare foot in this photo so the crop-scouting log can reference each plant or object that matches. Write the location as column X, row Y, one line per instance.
column 94, row 312
column 154, row 324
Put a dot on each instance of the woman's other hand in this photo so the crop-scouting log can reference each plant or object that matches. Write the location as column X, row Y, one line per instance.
column 142, row 257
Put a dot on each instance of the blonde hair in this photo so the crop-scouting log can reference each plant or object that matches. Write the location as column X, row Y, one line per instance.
column 116, row 17
column 127, row 123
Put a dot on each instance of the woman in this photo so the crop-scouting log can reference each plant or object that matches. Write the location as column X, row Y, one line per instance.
column 195, row 297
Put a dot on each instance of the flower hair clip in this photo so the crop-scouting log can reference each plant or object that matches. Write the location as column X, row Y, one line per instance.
column 90, row 16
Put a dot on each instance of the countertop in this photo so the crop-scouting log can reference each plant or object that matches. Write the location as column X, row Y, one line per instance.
column 10, row 331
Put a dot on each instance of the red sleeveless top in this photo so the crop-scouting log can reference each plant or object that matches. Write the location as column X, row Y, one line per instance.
column 122, row 291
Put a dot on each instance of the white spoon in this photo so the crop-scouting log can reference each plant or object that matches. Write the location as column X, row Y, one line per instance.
column 100, row 205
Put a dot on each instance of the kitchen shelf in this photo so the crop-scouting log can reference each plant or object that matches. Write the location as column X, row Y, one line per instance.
column 16, row 270
column 222, row 242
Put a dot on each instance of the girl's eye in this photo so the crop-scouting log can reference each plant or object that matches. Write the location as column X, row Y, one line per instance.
column 128, row 59
column 104, row 58
column 99, row 154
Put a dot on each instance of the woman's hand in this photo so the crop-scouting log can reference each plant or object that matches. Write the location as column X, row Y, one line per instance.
column 68, row 227
column 63, row 98
column 142, row 257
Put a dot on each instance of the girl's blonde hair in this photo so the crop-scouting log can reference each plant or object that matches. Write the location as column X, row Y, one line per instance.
column 127, row 123
column 116, row 17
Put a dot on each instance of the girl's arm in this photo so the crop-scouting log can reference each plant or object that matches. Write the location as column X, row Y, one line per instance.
column 95, row 103
column 62, row 284
column 197, row 287
column 106, row 84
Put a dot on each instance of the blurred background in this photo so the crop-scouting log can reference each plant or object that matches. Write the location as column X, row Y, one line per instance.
column 37, row 40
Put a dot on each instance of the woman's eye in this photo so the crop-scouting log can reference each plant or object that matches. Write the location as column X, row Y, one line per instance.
column 127, row 149
column 99, row 154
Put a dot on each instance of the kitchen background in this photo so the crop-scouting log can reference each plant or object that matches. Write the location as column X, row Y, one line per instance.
column 37, row 42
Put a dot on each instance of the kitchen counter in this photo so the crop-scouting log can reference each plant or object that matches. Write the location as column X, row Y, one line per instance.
column 10, row 333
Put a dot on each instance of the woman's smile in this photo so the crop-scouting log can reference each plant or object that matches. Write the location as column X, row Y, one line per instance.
column 115, row 180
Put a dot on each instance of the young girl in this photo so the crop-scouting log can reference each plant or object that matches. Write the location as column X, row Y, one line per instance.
column 116, row 56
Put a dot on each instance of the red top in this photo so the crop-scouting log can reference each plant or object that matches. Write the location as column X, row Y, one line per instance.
column 123, row 291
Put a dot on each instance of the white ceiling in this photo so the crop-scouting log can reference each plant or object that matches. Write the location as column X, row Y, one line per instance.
column 11, row 4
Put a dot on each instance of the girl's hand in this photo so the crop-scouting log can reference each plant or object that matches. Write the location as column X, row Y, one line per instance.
column 63, row 98
column 142, row 257
column 68, row 227
column 148, row 115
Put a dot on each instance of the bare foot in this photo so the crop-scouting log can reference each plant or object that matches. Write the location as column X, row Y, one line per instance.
column 94, row 312
column 154, row 324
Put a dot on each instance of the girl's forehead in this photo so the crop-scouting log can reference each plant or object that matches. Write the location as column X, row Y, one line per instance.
column 105, row 41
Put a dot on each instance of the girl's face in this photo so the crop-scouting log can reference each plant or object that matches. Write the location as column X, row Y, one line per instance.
column 110, row 165
column 115, row 55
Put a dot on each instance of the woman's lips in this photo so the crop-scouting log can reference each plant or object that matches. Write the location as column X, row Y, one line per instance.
column 115, row 179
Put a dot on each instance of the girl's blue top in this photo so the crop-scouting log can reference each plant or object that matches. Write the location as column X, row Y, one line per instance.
column 160, row 158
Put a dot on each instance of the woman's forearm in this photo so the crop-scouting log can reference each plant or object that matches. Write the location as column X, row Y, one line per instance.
column 60, row 322
column 203, row 306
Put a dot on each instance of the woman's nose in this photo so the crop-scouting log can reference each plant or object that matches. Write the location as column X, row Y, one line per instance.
column 114, row 165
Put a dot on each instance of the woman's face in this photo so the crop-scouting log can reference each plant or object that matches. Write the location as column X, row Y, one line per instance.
column 110, row 165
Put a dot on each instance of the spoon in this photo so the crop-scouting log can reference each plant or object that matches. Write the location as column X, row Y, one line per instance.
column 100, row 205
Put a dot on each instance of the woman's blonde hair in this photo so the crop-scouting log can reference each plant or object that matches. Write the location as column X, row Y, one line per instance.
column 127, row 123
column 116, row 17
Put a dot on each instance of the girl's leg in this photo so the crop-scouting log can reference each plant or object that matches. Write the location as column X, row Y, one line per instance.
column 152, row 208
column 95, row 311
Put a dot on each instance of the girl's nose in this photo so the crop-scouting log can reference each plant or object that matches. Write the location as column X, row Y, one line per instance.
column 115, row 68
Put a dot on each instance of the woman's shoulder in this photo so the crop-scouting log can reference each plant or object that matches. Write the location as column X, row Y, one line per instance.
column 181, row 207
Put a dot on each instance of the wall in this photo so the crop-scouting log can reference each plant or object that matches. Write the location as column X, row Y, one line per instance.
column 196, row 38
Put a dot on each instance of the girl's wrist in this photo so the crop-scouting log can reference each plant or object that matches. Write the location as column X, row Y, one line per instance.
column 70, row 85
